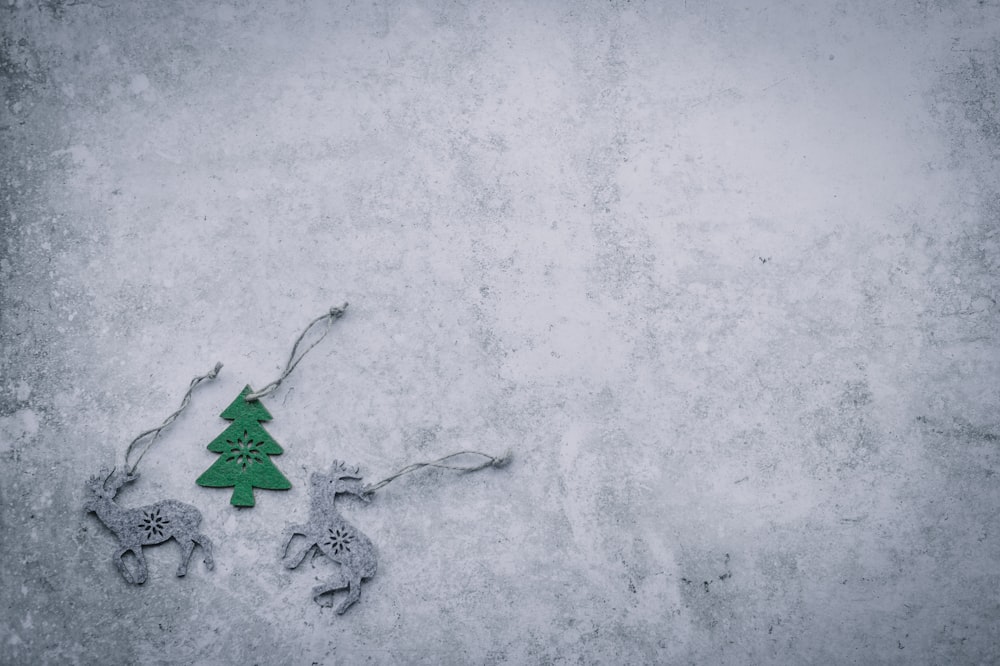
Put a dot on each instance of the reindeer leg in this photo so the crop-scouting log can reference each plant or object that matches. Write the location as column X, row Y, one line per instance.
column 141, row 578
column 206, row 545
column 119, row 558
column 337, row 584
column 187, row 547
column 297, row 558
column 290, row 534
column 353, row 594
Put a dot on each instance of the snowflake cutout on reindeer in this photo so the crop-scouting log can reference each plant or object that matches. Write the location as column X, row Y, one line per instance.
column 154, row 524
column 338, row 541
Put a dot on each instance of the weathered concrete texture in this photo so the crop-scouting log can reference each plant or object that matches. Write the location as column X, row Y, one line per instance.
column 723, row 274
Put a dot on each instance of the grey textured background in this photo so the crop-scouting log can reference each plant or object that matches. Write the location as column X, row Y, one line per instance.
column 723, row 274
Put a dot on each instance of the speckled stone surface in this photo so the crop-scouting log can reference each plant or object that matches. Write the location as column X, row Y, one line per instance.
column 723, row 275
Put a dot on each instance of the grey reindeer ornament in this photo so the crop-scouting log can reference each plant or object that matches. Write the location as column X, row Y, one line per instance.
column 145, row 526
column 333, row 536
column 152, row 524
column 341, row 542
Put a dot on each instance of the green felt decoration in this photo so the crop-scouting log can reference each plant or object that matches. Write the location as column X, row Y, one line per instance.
column 245, row 447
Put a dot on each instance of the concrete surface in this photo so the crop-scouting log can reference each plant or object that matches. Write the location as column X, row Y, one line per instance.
column 723, row 275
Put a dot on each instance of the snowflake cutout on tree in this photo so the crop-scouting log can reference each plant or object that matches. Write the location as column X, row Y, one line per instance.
column 154, row 524
column 338, row 540
column 244, row 451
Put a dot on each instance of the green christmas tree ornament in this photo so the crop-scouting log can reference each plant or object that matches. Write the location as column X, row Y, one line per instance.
column 245, row 450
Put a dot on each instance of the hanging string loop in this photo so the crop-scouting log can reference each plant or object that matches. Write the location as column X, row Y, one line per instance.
column 490, row 461
column 153, row 433
column 295, row 357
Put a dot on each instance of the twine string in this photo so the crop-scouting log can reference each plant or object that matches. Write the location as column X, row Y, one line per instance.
column 491, row 461
column 334, row 314
column 155, row 432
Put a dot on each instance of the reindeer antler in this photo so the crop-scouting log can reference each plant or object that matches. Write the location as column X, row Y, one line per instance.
column 98, row 480
column 341, row 469
column 118, row 479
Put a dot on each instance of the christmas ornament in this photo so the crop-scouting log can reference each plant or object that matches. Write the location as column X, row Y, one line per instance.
column 328, row 533
column 153, row 524
column 245, row 447
column 332, row 535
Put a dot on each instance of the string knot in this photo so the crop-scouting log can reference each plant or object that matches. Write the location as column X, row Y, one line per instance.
column 214, row 372
column 503, row 460
column 336, row 312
